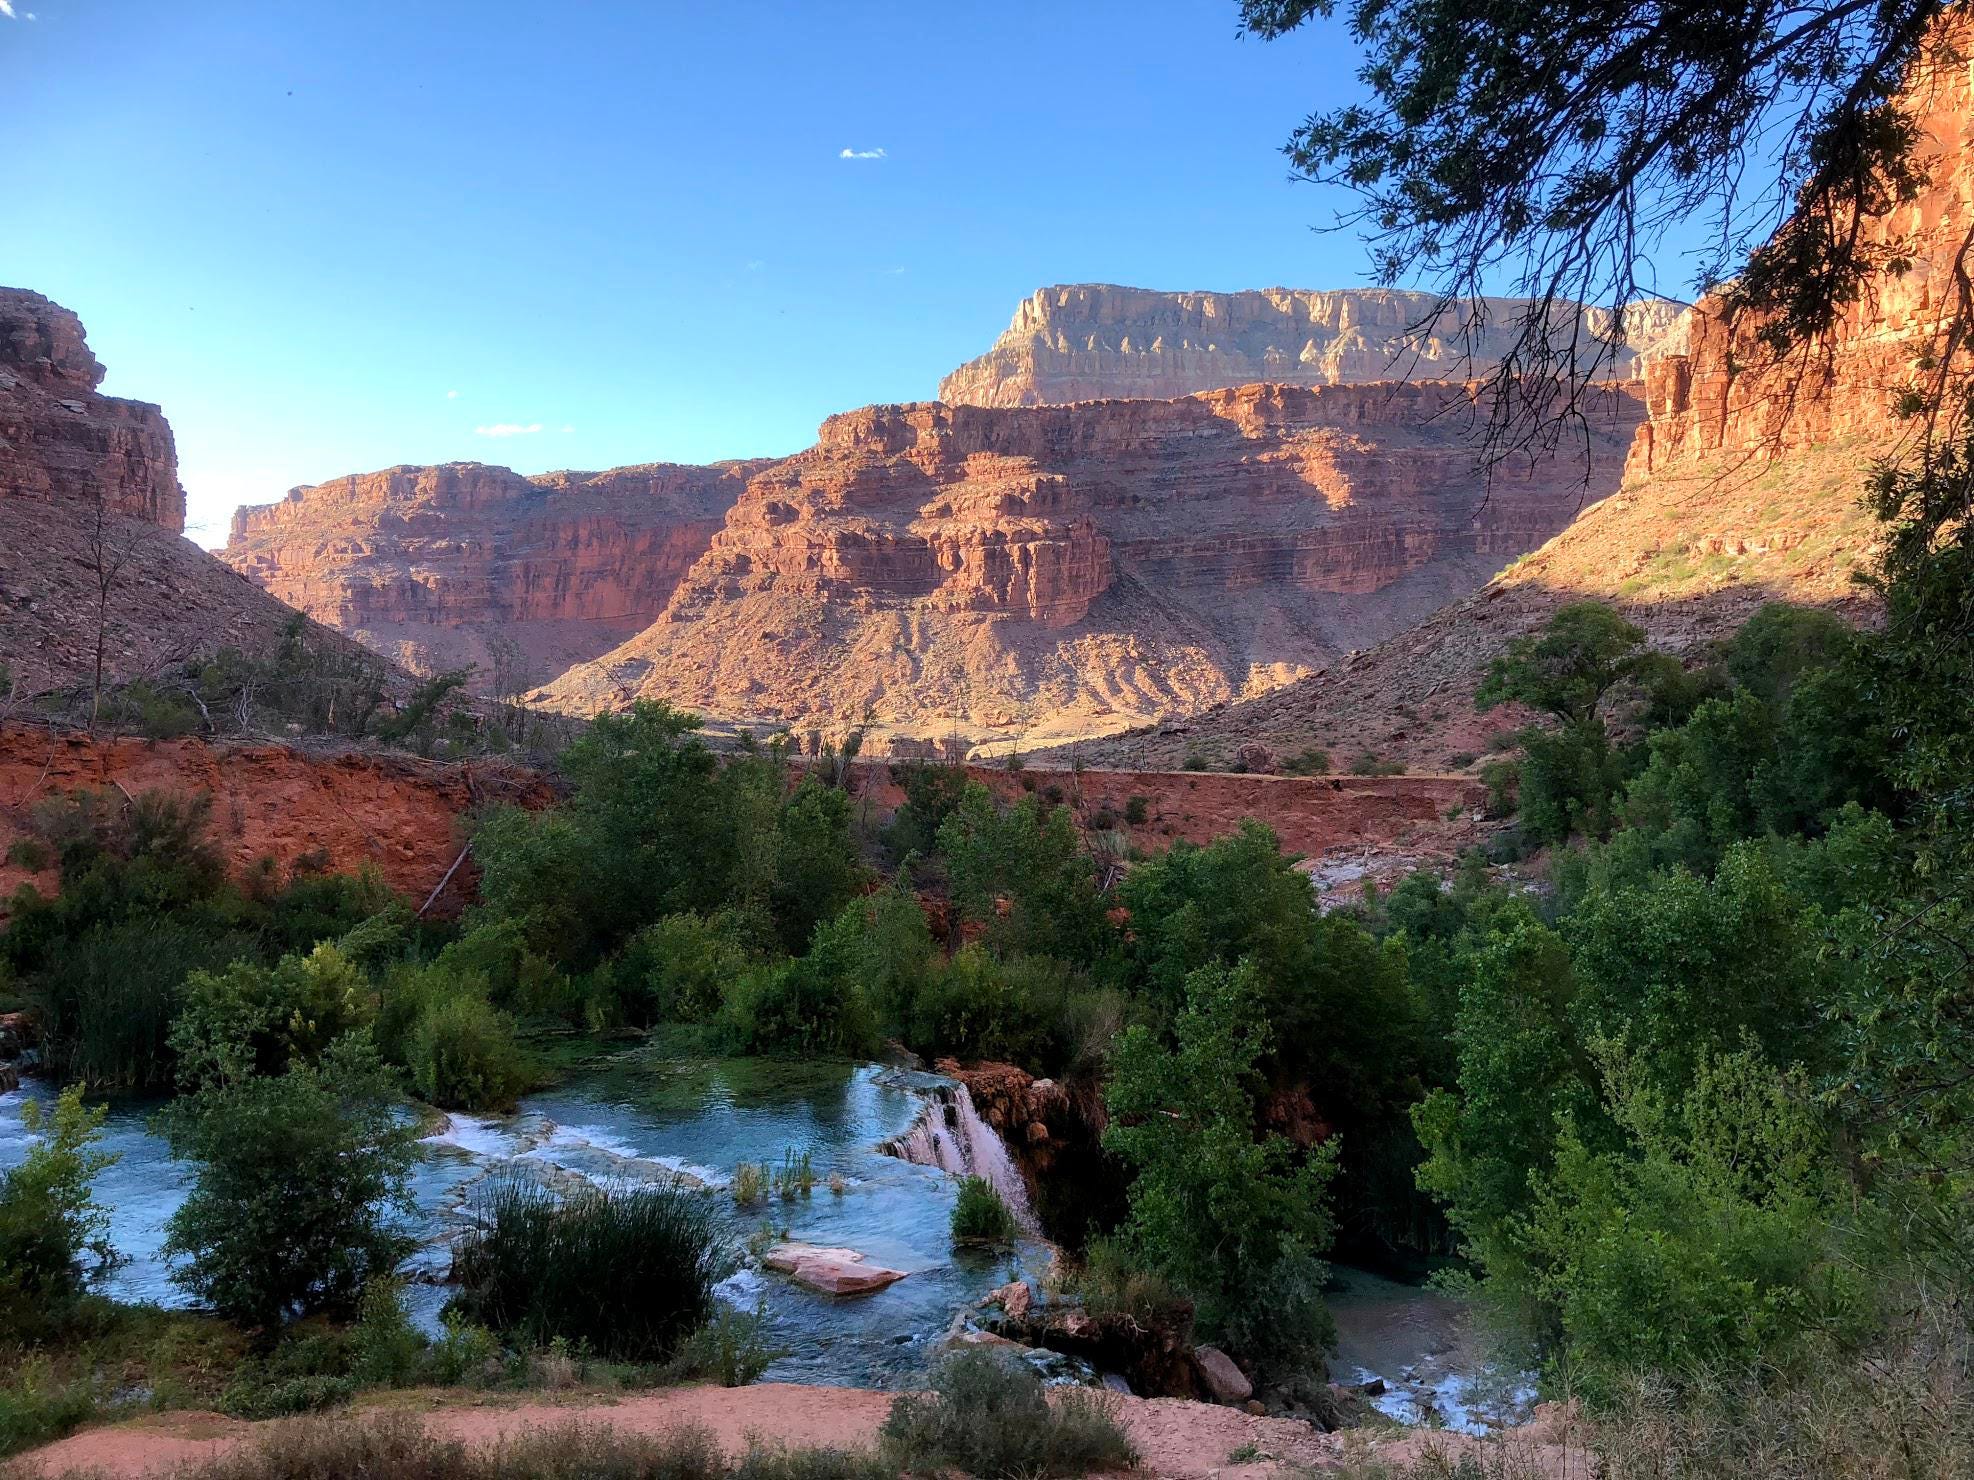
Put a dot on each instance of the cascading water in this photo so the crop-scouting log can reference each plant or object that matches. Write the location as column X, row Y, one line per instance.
column 949, row 1134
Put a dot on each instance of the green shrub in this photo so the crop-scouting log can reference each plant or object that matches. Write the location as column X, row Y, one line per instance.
column 253, row 1019
column 29, row 853
column 989, row 1416
column 51, row 1225
column 1137, row 810
column 804, row 1006
column 38, row 1407
column 979, row 1215
column 1503, row 781
column 255, row 1394
column 677, row 970
column 386, row 1349
column 463, row 1351
column 1370, row 763
column 629, row 1273
column 300, row 1177
column 463, row 1055
column 1314, row 761
column 1113, row 1282
column 731, row 1349
column 1194, row 761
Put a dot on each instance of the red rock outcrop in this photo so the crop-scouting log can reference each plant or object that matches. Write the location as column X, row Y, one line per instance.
column 1096, row 341
column 1743, row 487
column 1716, row 389
column 90, row 514
column 343, row 811
column 433, row 566
column 61, row 440
column 1065, row 570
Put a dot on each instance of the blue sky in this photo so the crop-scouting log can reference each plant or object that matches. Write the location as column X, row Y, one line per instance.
column 329, row 238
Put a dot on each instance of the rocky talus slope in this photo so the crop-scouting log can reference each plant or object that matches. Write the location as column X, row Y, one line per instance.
column 1096, row 341
column 1743, row 486
column 1062, row 571
column 90, row 514
column 439, row 567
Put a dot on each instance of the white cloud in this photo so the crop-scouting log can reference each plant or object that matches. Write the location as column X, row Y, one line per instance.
column 863, row 154
column 452, row 395
column 7, row 9
column 568, row 429
column 508, row 429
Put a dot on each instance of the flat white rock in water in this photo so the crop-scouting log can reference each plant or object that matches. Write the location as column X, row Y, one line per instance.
column 832, row 1271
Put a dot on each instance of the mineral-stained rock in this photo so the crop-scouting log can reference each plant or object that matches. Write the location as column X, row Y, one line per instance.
column 437, row 567
column 1069, row 569
column 59, row 440
column 830, row 1271
column 1095, row 341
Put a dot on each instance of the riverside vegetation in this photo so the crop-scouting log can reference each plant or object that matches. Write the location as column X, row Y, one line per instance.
column 1691, row 1123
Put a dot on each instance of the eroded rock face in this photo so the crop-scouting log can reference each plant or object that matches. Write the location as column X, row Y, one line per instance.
column 59, row 439
column 1717, row 389
column 1073, row 569
column 435, row 566
column 1095, row 341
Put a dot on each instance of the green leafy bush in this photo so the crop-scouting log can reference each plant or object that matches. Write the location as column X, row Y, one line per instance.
column 1233, row 1219
column 463, row 1055
column 628, row 1273
column 979, row 1214
column 51, row 1226
column 989, row 1416
column 37, row 1406
column 731, row 1349
column 300, row 1178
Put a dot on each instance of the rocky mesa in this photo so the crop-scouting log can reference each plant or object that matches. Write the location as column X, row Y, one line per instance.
column 467, row 565
column 1063, row 571
column 1097, row 341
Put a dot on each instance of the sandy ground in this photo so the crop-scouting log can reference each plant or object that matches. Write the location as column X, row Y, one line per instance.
column 1177, row 1440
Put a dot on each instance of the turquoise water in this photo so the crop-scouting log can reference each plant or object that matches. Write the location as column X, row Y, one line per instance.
column 638, row 1119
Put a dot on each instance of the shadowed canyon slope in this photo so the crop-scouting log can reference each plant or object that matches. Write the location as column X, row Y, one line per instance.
column 1069, row 570
column 1743, row 486
column 1096, row 341
column 90, row 514
column 437, row 566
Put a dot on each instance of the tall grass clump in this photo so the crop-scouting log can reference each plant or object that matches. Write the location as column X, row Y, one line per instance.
column 629, row 1272
column 980, row 1216
column 989, row 1416
column 398, row 1446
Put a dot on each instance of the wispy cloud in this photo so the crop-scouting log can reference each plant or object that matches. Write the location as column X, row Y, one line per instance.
column 452, row 395
column 7, row 9
column 508, row 429
column 863, row 154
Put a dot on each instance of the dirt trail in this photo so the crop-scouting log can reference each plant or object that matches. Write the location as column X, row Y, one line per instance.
column 1176, row 1440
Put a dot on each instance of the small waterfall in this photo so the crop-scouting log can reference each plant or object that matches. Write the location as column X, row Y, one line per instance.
column 949, row 1134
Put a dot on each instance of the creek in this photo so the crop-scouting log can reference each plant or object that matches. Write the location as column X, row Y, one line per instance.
column 638, row 1119
column 893, row 1138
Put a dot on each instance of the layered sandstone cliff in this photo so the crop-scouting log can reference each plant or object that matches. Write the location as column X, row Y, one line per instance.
column 1743, row 487
column 1095, row 341
column 1069, row 570
column 59, row 439
column 439, row 567
column 90, row 511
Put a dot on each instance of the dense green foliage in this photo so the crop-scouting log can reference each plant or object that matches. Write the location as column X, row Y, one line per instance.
column 51, row 1227
column 301, row 1174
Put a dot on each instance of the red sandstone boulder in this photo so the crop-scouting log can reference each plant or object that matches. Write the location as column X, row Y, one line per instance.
column 830, row 1271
